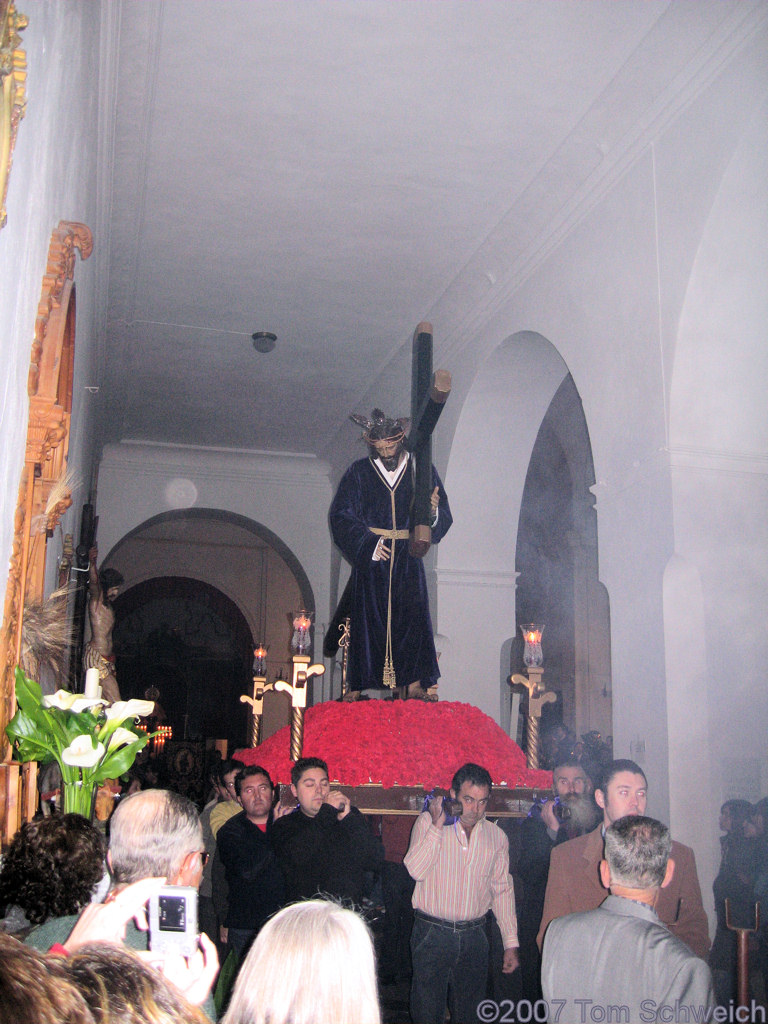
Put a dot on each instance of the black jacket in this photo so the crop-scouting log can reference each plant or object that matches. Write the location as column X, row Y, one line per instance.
column 325, row 855
column 254, row 878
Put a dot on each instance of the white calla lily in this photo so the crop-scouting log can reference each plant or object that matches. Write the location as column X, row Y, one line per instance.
column 120, row 737
column 81, row 752
column 122, row 709
column 66, row 701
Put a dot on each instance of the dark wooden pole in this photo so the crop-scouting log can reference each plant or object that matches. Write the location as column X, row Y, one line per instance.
column 428, row 396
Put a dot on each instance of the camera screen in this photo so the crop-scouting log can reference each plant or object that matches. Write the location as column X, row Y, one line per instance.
column 172, row 913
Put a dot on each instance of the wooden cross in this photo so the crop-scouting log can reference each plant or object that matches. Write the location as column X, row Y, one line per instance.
column 428, row 396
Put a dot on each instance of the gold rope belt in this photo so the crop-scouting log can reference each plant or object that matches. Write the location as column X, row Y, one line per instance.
column 389, row 668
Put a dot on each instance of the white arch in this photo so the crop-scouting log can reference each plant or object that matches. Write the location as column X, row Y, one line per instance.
column 489, row 457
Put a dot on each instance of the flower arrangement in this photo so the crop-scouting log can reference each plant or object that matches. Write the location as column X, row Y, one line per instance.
column 400, row 743
column 89, row 739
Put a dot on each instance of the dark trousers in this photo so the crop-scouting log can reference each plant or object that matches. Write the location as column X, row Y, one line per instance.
column 240, row 940
column 397, row 887
column 448, row 964
column 502, row 986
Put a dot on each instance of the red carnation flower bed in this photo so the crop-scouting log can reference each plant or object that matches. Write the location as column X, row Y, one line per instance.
column 399, row 743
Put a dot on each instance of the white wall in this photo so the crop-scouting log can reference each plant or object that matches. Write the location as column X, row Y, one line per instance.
column 491, row 448
column 657, row 303
column 717, row 647
column 53, row 178
column 288, row 495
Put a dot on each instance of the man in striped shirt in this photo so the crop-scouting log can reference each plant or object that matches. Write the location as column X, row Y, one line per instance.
column 461, row 869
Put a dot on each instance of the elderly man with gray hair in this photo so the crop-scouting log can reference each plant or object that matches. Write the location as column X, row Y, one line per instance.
column 153, row 834
column 619, row 961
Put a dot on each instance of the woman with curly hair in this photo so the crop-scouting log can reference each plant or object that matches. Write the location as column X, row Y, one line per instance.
column 52, row 867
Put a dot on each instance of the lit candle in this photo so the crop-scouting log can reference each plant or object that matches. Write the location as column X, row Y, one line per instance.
column 92, row 687
column 260, row 660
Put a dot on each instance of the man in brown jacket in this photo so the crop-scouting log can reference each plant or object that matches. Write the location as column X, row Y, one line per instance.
column 574, row 882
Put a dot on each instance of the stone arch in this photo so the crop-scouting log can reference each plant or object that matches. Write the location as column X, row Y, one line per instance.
column 251, row 525
column 219, row 567
column 199, row 545
column 495, row 438
column 557, row 565
column 716, row 584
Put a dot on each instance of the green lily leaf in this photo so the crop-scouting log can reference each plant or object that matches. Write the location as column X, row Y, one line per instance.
column 43, row 732
column 75, row 723
column 29, row 694
column 33, row 742
column 119, row 760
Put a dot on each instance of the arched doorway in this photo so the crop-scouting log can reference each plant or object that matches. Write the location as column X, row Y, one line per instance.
column 523, row 546
column 202, row 587
column 190, row 642
column 557, row 566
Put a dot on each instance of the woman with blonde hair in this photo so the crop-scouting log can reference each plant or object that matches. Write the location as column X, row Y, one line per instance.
column 312, row 963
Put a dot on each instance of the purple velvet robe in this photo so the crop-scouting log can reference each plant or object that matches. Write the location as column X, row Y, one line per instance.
column 363, row 500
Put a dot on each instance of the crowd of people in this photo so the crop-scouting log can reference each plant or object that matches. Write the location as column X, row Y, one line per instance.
column 741, row 884
column 586, row 901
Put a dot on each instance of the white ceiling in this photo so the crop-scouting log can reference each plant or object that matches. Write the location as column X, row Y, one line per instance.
column 336, row 172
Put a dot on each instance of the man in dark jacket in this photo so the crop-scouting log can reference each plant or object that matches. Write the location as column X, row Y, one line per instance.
column 325, row 844
column 254, row 879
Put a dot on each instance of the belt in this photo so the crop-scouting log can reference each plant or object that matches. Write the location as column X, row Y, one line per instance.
column 455, row 926
column 390, row 534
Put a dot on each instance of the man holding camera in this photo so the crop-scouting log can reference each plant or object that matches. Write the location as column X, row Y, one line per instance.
column 569, row 812
column 325, row 845
column 461, row 871
column 154, row 835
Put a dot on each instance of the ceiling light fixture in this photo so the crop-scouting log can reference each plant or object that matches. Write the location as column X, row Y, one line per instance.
column 264, row 341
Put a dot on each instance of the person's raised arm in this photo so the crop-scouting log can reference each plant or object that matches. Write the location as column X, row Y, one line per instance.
column 426, row 839
column 106, row 922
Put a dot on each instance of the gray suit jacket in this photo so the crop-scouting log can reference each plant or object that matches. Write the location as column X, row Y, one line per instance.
column 621, row 955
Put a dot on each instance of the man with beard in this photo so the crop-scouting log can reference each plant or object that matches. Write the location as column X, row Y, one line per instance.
column 102, row 591
column 574, row 882
column 570, row 812
column 391, row 638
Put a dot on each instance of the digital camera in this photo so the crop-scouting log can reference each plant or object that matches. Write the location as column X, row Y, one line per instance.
column 562, row 811
column 173, row 920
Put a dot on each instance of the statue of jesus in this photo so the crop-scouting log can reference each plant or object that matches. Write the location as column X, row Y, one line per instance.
column 391, row 638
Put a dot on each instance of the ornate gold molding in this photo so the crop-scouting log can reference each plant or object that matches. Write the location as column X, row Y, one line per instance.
column 13, row 76
column 43, row 490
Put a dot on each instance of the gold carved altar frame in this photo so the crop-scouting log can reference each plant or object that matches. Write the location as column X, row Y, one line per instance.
column 42, row 498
